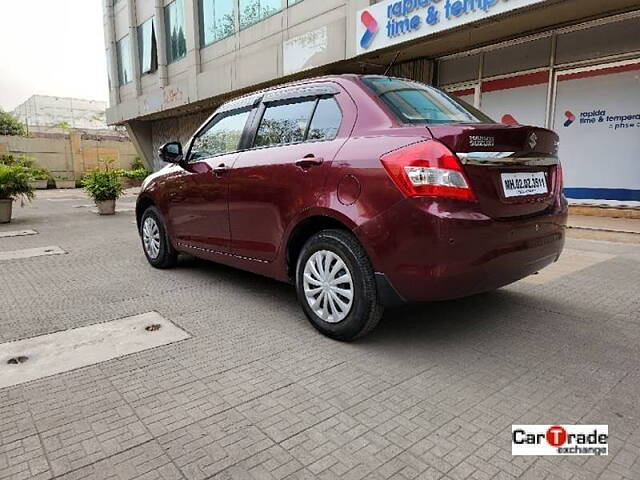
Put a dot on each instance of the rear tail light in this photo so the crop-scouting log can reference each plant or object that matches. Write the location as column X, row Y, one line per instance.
column 559, row 178
column 428, row 169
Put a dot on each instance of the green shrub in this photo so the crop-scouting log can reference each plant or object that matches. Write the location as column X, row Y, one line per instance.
column 40, row 173
column 36, row 172
column 138, row 171
column 139, row 174
column 14, row 183
column 102, row 185
column 137, row 164
column 22, row 160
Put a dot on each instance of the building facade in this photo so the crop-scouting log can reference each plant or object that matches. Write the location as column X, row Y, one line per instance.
column 569, row 65
column 41, row 111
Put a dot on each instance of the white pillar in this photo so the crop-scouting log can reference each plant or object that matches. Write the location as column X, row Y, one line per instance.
column 161, row 43
column 133, row 36
column 112, row 57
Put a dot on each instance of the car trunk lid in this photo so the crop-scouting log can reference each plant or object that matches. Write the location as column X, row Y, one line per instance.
column 513, row 169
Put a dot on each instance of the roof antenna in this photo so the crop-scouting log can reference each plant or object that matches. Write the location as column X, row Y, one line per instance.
column 392, row 63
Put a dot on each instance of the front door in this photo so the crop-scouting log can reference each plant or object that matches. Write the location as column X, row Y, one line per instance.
column 283, row 174
column 199, row 210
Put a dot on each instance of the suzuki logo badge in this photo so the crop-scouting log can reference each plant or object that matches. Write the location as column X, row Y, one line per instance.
column 533, row 141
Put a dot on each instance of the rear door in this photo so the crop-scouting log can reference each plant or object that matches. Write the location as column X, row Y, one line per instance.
column 298, row 133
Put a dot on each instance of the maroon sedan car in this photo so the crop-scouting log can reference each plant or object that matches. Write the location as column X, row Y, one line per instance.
column 364, row 192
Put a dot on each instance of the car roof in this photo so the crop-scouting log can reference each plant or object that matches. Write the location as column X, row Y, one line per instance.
column 252, row 98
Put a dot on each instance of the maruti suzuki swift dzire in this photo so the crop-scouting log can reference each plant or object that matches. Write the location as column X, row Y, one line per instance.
column 364, row 192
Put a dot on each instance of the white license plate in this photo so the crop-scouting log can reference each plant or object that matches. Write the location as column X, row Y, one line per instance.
column 523, row 184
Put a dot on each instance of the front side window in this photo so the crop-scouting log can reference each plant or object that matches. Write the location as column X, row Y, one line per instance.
column 326, row 120
column 123, row 52
column 223, row 136
column 216, row 20
column 147, row 49
column 176, row 39
column 282, row 124
column 252, row 11
column 414, row 102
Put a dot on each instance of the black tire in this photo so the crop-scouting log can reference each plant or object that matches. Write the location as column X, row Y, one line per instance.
column 167, row 255
column 366, row 309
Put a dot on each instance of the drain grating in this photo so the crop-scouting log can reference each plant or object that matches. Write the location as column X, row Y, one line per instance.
column 153, row 328
column 17, row 360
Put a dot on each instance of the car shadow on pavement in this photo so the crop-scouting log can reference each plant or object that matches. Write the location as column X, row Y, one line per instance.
column 475, row 318
column 239, row 278
column 467, row 320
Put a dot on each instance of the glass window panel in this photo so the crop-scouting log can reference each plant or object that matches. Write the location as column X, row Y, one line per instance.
column 216, row 20
column 123, row 52
column 176, row 40
column 326, row 120
column 524, row 103
column 283, row 124
column 252, row 11
column 147, row 46
column 516, row 58
column 457, row 70
column 293, row 2
column 600, row 41
column 415, row 102
column 222, row 137
column 599, row 153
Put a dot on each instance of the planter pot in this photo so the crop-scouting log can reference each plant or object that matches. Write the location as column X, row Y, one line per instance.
column 65, row 183
column 5, row 210
column 106, row 207
column 39, row 184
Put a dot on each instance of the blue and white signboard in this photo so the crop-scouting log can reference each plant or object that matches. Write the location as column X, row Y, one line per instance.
column 395, row 21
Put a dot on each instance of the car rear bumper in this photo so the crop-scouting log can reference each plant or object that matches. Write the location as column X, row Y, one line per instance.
column 430, row 250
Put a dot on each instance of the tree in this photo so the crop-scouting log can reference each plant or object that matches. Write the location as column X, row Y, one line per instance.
column 10, row 125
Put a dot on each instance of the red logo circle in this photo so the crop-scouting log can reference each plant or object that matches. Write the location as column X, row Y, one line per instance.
column 556, row 436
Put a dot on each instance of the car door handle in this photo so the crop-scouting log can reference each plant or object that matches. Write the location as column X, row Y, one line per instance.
column 309, row 161
column 220, row 170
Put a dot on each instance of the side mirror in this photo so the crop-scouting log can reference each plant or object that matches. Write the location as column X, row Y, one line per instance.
column 171, row 152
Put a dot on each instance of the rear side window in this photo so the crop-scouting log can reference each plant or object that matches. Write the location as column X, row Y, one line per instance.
column 414, row 102
column 282, row 124
column 326, row 120
column 222, row 136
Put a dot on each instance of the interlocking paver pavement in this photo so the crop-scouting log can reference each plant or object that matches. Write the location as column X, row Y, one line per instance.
column 257, row 393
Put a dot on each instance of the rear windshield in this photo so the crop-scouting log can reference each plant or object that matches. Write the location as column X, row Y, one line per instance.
column 415, row 102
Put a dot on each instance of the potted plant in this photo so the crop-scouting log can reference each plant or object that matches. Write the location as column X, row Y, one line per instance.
column 40, row 178
column 64, row 181
column 14, row 185
column 104, row 187
column 135, row 175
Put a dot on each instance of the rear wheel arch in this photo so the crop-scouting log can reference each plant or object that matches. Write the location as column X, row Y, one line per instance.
column 303, row 231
